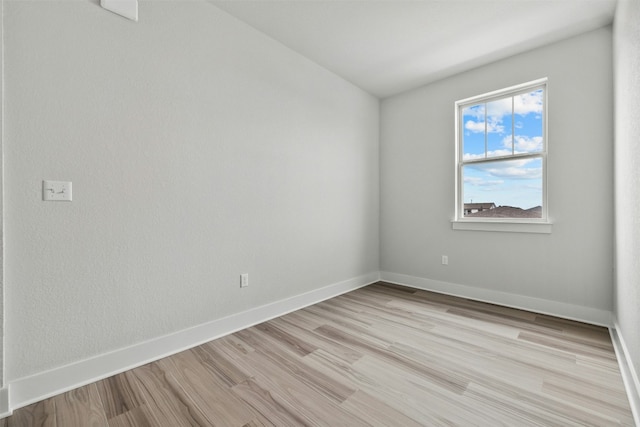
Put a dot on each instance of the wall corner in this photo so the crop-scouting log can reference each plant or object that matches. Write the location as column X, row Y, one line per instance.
column 5, row 409
column 629, row 375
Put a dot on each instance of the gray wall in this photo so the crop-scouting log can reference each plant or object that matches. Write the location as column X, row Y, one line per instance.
column 198, row 149
column 2, row 322
column 574, row 264
column 627, row 176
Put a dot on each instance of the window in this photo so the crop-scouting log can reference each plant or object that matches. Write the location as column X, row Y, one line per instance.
column 501, row 155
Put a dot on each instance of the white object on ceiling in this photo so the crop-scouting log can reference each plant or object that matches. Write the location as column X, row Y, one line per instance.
column 389, row 46
column 126, row 8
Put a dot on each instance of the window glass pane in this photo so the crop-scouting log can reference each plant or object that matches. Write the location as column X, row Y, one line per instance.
column 499, row 128
column 503, row 189
column 473, row 132
column 528, row 123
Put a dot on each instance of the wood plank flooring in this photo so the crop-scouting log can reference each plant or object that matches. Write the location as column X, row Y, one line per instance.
column 379, row 356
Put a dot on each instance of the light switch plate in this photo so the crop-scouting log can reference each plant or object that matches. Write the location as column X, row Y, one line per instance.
column 56, row 191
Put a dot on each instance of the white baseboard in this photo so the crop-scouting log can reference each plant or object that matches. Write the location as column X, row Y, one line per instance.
column 5, row 409
column 628, row 371
column 34, row 388
column 567, row 311
column 31, row 389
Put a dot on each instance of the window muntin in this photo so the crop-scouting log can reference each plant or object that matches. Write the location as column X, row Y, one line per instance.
column 501, row 155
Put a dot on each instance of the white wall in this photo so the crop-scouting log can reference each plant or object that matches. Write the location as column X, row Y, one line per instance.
column 627, row 175
column 198, row 149
column 568, row 272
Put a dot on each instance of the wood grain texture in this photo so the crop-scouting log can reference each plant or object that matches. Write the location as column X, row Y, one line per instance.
column 119, row 395
column 81, row 406
column 382, row 355
column 166, row 398
column 40, row 414
column 123, row 402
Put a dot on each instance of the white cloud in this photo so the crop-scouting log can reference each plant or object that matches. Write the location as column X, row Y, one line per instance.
column 523, row 104
column 474, row 126
column 526, row 144
column 476, row 111
column 511, row 169
column 515, row 172
column 480, row 182
column 523, row 144
column 499, row 108
column 493, row 126
column 528, row 103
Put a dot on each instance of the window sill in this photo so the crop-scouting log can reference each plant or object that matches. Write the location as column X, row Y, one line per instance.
column 503, row 226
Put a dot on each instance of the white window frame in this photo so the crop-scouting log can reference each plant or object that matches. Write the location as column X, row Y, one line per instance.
column 527, row 225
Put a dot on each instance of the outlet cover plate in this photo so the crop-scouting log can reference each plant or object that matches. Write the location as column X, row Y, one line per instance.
column 60, row 191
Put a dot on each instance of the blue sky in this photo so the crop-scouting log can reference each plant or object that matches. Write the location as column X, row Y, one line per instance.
column 515, row 182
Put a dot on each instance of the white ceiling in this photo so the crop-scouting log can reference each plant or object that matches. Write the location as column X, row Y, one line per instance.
column 389, row 46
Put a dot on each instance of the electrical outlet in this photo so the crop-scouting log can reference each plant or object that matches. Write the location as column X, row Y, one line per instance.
column 244, row 280
column 445, row 260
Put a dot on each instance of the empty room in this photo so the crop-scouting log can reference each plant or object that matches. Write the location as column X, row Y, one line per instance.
column 320, row 213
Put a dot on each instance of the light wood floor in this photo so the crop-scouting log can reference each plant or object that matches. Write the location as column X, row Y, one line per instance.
column 382, row 356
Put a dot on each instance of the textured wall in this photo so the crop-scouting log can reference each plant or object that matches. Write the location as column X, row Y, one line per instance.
column 198, row 149
column 573, row 265
column 2, row 322
column 627, row 177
